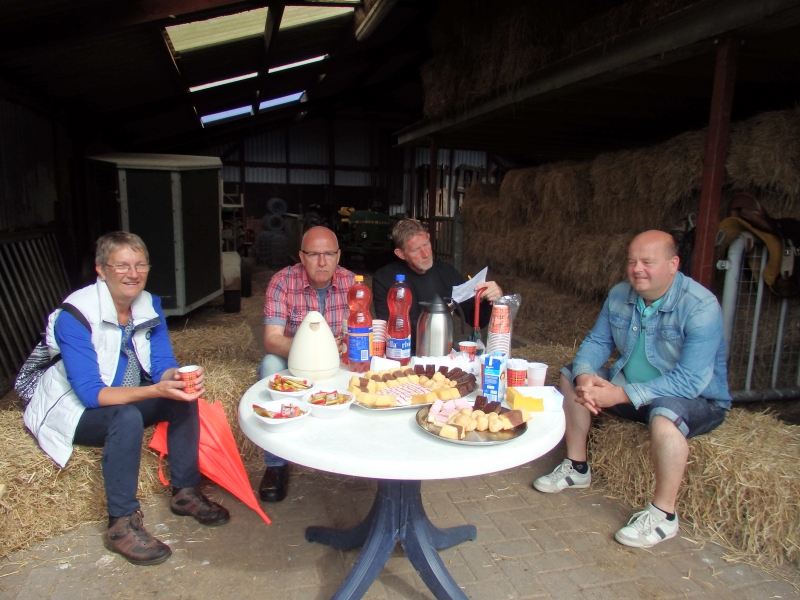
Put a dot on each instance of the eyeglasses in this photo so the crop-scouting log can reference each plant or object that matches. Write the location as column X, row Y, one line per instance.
column 313, row 255
column 125, row 269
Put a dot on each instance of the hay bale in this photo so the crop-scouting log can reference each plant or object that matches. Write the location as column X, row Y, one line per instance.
column 40, row 499
column 483, row 48
column 764, row 153
column 740, row 489
column 480, row 205
column 549, row 317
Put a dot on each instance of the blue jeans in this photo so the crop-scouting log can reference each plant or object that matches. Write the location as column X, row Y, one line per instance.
column 271, row 364
column 119, row 429
column 692, row 416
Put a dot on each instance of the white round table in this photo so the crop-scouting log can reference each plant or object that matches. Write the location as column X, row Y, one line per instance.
column 388, row 445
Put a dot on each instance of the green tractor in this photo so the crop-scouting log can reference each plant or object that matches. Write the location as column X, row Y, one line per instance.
column 365, row 237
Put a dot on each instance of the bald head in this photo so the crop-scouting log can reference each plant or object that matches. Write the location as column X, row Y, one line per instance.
column 658, row 238
column 319, row 253
column 319, row 233
column 652, row 264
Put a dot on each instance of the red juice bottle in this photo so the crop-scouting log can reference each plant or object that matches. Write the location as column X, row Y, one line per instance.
column 398, row 329
column 359, row 326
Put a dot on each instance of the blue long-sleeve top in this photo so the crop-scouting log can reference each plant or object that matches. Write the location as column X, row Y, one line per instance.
column 80, row 357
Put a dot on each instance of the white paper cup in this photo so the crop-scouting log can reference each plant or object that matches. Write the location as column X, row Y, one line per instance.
column 536, row 373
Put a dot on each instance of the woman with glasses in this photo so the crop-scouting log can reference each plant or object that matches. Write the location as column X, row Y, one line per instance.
column 118, row 375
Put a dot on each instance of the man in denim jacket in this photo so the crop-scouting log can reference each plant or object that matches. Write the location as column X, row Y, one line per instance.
column 671, row 375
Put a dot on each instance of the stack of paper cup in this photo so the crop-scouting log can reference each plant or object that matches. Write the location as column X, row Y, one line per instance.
column 499, row 330
column 378, row 338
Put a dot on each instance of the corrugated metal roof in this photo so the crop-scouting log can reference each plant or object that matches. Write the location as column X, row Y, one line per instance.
column 100, row 71
column 119, row 75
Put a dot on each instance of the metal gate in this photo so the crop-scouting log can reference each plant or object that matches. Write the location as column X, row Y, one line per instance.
column 762, row 330
column 33, row 282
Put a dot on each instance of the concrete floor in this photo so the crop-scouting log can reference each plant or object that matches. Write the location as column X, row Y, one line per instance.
column 529, row 545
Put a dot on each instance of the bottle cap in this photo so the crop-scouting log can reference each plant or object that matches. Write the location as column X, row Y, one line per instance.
column 358, row 278
column 400, row 277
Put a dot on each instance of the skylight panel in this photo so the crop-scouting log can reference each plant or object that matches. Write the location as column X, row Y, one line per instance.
column 280, row 101
column 245, row 24
column 226, row 114
column 294, row 16
column 299, row 63
column 206, row 86
column 215, row 31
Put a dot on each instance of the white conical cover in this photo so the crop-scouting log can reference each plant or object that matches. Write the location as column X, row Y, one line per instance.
column 314, row 354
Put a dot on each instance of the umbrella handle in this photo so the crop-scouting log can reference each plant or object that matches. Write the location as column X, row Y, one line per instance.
column 477, row 317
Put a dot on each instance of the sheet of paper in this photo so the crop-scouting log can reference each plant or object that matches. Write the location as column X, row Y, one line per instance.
column 466, row 290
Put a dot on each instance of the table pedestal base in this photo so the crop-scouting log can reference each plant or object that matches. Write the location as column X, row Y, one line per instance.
column 396, row 514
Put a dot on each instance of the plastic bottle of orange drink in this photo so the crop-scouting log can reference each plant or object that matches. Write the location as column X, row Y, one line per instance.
column 359, row 326
column 398, row 329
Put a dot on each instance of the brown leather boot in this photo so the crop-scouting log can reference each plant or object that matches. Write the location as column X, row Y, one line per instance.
column 191, row 502
column 128, row 537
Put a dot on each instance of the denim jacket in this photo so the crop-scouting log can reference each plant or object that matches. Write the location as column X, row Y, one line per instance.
column 684, row 341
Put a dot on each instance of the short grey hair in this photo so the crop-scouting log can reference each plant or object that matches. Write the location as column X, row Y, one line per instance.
column 406, row 229
column 111, row 242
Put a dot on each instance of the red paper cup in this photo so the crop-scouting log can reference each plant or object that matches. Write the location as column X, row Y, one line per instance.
column 378, row 349
column 516, row 377
column 188, row 374
column 470, row 348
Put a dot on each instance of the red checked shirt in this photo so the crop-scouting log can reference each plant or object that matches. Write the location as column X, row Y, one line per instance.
column 290, row 297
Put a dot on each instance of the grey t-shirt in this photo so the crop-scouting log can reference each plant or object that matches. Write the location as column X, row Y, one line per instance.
column 322, row 296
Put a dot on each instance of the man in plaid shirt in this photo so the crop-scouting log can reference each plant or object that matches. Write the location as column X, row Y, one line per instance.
column 317, row 283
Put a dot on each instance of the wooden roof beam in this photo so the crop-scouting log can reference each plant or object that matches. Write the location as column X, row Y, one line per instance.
column 271, row 27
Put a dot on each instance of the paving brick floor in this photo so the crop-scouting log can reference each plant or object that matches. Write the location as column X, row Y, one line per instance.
column 530, row 545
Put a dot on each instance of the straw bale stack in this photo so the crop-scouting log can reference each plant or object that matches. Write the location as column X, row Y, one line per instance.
column 229, row 356
column 741, row 486
column 40, row 500
column 481, row 49
column 566, row 222
column 765, row 154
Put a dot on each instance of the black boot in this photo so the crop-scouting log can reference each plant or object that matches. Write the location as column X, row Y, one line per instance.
column 273, row 484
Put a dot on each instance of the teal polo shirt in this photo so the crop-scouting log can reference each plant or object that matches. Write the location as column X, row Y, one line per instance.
column 638, row 369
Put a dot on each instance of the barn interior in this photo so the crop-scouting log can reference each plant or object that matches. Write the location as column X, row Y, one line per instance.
column 536, row 138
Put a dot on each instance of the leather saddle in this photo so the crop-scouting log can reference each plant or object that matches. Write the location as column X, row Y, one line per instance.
column 782, row 238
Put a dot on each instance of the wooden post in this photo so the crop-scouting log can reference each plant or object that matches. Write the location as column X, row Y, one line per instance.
column 433, row 184
column 714, row 160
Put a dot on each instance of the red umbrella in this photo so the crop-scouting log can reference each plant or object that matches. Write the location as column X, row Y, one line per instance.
column 218, row 456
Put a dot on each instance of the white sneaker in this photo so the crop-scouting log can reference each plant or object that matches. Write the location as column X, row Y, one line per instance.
column 647, row 528
column 564, row 476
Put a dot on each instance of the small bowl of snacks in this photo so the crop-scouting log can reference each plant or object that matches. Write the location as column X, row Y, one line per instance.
column 283, row 386
column 281, row 416
column 329, row 405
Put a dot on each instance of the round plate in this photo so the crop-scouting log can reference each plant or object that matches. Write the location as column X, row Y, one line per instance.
column 398, row 407
column 473, row 438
